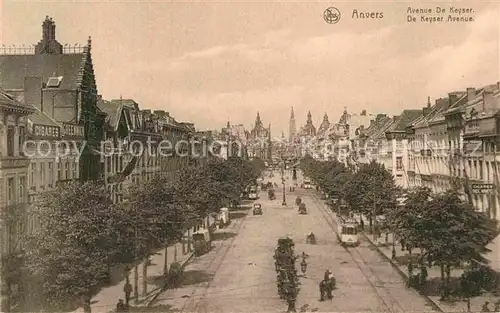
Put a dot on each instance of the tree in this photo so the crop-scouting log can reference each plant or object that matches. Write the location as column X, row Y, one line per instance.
column 408, row 221
column 216, row 184
column 336, row 180
column 156, row 216
column 258, row 165
column 459, row 233
column 447, row 230
column 71, row 249
column 372, row 190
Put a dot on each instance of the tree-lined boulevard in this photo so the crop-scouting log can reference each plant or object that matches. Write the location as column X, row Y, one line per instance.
column 440, row 231
column 83, row 234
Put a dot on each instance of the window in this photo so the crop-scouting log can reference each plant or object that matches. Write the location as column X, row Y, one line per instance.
column 66, row 170
column 73, row 165
column 480, row 169
column 22, row 134
column 32, row 176
column 22, row 188
column 58, row 170
column 10, row 140
column 54, row 82
column 51, row 174
column 108, row 164
column 399, row 163
column 42, row 174
column 10, row 190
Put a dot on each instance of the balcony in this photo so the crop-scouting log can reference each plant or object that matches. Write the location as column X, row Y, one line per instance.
column 8, row 162
column 73, row 130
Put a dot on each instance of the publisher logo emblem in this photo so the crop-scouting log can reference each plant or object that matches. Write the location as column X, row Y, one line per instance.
column 331, row 15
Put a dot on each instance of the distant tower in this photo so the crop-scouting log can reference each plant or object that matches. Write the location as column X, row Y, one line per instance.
column 292, row 132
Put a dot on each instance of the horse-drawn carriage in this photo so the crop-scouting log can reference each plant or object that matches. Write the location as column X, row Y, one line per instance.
column 257, row 209
column 201, row 242
column 302, row 208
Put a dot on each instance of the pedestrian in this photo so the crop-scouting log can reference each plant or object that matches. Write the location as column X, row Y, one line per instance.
column 128, row 291
column 322, row 290
column 120, row 306
column 485, row 307
column 362, row 224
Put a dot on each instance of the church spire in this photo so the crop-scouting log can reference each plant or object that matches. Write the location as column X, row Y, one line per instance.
column 257, row 120
column 291, row 127
column 309, row 117
column 325, row 117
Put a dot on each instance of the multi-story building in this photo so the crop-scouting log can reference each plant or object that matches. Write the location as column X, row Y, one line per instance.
column 472, row 133
column 59, row 82
column 13, row 186
column 233, row 141
column 427, row 151
column 132, row 152
column 259, row 143
column 396, row 158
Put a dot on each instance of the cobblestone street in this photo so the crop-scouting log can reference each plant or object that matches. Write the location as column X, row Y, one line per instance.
column 238, row 274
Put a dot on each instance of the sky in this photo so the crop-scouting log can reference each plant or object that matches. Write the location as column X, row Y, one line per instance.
column 214, row 61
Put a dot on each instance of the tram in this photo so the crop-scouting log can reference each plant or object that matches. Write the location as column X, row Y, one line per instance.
column 307, row 183
column 348, row 233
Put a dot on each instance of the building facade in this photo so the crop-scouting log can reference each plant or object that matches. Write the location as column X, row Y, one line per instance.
column 59, row 82
column 259, row 143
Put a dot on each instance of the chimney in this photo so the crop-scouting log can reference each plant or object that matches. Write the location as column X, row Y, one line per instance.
column 471, row 94
column 372, row 122
column 452, row 99
column 426, row 110
column 33, row 91
column 394, row 118
column 363, row 113
column 146, row 112
column 46, row 29
column 99, row 97
column 428, row 102
column 488, row 100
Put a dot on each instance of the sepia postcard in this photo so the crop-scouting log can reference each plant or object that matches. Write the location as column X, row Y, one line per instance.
column 249, row 156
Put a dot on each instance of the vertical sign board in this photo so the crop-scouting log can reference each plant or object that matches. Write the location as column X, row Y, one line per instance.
column 483, row 188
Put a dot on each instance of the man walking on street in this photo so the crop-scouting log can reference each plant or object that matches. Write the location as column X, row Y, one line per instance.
column 128, row 290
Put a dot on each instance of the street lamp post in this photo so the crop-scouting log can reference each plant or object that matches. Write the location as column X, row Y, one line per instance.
column 283, row 179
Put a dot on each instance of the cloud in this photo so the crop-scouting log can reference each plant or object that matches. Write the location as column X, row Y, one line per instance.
column 382, row 70
column 469, row 63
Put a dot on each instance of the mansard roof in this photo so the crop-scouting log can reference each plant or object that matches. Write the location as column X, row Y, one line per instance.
column 14, row 68
column 404, row 120
column 379, row 132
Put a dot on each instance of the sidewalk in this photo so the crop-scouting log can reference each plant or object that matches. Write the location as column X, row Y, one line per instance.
column 199, row 271
column 107, row 298
column 431, row 291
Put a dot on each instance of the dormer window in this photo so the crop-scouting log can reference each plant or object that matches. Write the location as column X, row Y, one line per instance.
column 54, row 82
